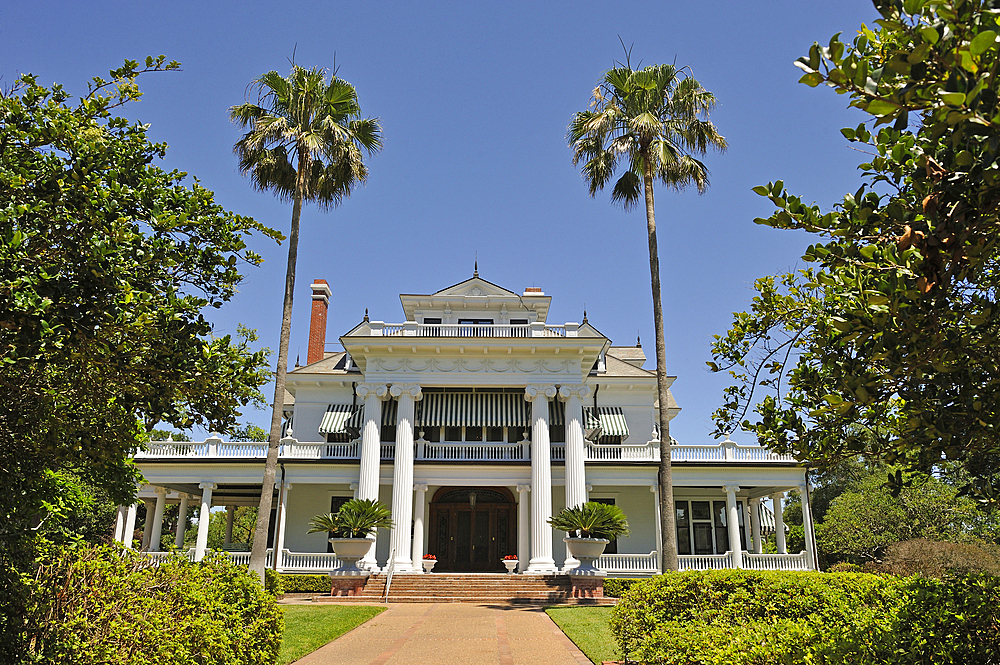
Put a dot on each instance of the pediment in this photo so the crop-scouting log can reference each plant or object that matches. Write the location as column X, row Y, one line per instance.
column 475, row 287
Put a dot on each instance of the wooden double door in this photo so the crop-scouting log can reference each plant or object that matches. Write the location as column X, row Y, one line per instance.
column 472, row 529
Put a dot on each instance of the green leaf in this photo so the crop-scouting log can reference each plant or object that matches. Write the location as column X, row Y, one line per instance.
column 760, row 190
column 929, row 34
column 982, row 42
column 880, row 108
column 953, row 98
column 812, row 79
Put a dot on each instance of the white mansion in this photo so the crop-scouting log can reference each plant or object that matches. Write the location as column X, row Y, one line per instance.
column 475, row 419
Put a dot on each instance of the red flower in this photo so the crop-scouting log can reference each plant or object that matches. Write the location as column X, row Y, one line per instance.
column 510, row 557
column 430, row 557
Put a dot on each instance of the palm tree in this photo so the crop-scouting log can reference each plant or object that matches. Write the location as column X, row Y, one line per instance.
column 655, row 121
column 316, row 123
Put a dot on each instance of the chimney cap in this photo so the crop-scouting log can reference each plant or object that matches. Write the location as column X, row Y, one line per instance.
column 320, row 289
column 533, row 291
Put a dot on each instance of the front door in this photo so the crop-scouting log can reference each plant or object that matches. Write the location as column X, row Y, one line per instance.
column 472, row 529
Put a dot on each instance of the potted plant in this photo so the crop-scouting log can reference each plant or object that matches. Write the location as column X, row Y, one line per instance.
column 510, row 561
column 590, row 527
column 429, row 561
column 352, row 528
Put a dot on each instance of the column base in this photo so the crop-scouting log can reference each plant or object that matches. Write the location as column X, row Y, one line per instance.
column 541, row 566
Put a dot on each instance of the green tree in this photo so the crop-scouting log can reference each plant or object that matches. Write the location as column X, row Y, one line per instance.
column 655, row 122
column 107, row 263
column 896, row 322
column 305, row 142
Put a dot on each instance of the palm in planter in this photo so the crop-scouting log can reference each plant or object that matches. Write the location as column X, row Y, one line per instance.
column 592, row 525
column 351, row 527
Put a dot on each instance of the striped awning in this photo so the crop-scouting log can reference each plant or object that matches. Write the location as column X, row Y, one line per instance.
column 611, row 418
column 557, row 415
column 336, row 418
column 474, row 410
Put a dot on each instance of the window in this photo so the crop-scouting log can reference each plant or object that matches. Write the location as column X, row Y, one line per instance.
column 683, row 527
column 557, row 434
column 515, row 434
column 388, row 433
column 432, row 320
column 494, row 434
column 473, row 433
column 339, row 437
column 452, row 433
column 335, row 503
column 612, row 547
column 519, row 322
column 721, row 527
column 476, row 322
column 432, row 434
column 701, row 527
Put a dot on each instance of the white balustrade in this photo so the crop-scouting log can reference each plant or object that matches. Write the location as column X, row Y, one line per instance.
column 413, row 329
column 704, row 561
column 628, row 563
column 777, row 561
column 464, row 451
column 308, row 562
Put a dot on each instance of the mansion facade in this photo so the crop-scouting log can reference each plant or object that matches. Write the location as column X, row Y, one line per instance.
column 475, row 420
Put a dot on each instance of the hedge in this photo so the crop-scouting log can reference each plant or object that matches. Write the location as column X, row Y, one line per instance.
column 111, row 606
column 615, row 587
column 758, row 618
column 291, row 583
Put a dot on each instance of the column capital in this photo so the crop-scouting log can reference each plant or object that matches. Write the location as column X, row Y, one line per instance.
column 353, row 486
column 731, row 488
column 590, row 488
column 207, row 486
column 411, row 389
column 183, row 495
column 380, row 390
column 420, row 487
column 161, row 490
column 570, row 390
column 277, row 486
column 654, row 488
column 523, row 488
column 756, row 499
column 778, row 496
column 533, row 390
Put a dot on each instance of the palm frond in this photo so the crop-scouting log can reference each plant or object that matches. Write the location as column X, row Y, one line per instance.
column 628, row 190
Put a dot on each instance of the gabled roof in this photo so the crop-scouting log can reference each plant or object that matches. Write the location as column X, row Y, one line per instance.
column 476, row 291
column 475, row 286
column 332, row 363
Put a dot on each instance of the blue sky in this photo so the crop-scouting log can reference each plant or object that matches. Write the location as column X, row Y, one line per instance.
column 474, row 100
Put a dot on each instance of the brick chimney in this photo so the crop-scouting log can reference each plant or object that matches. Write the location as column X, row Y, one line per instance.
column 317, row 324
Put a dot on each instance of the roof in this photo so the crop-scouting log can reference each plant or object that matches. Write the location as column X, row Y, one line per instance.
column 332, row 363
column 618, row 367
column 634, row 355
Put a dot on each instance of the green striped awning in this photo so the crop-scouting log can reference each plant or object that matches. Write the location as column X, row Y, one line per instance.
column 336, row 418
column 612, row 420
column 389, row 410
column 557, row 415
column 474, row 410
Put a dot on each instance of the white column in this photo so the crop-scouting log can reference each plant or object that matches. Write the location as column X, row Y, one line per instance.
column 417, row 554
column 755, row 525
column 541, row 479
column 655, row 489
column 147, row 528
column 733, row 522
column 203, row 518
column 406, row 395
column 807, row 525
column 157, row 533
column 129, row 534
column 279, row 539
column 523, row 526
column 181, row 521
column 354, row 489
column 779, row 523
column 120, row 524
column 371, row 452
column 371, row 436
column 576, row 480
column 230, row 514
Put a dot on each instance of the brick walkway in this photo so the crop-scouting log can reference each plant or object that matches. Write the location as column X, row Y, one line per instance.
column 453, row 633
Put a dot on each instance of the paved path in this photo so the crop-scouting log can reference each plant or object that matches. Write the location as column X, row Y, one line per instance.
column 452, row 633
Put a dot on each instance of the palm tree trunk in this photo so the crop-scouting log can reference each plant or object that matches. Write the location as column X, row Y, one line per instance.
column 258, row 552
column 668, row 531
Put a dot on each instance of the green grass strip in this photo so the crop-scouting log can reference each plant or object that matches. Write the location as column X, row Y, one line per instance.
column 589, row 630
column 308, row 627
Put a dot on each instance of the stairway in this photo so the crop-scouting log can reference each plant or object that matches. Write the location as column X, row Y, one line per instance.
column 471, row 588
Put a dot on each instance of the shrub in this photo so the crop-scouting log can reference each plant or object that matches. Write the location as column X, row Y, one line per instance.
column 273, row 582
column 357, row 518
column 592, row 520
column 109, row 605
column 845, row 567
column 306, row 583
column 932, row 558
column 615, row 587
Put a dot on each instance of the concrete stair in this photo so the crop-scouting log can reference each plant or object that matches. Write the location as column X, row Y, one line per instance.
column 496, row 588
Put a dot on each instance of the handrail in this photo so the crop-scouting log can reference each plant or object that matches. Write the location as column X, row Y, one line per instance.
column 389, row 568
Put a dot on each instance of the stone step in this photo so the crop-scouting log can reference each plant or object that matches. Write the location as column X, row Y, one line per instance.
column 393, row 598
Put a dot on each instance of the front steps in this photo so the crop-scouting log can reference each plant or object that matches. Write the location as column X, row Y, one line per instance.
column 497, row 588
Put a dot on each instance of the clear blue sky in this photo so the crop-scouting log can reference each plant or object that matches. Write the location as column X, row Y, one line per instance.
column 474, row 100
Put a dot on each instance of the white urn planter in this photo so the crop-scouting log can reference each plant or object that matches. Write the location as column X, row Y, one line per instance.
column 511, row 565
column 349, row 551
column 587, row 551
column 428, row 564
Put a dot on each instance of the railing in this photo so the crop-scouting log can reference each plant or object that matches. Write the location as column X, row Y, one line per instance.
column 506, row 330
column 800, row 561
column 308, row 562
column 239, row 558
column 214, row 448
column 390, row 566
column 628, row 563
column 704, row 561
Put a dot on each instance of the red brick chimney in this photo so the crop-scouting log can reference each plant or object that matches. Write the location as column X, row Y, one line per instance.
column 317, row 324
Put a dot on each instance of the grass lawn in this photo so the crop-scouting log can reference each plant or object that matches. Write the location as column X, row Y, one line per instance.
column 308, row 627
column 588, row 628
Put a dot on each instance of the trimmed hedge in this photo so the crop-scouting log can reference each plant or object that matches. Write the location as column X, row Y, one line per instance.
column 292, row 583
column 615, row 587
column 109, row 605
column 758, row 618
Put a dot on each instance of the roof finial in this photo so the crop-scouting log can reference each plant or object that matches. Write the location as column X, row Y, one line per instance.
column 585, row 314
column 297, row 356
column 366, row 314
column 638, row 342
column 475, row 270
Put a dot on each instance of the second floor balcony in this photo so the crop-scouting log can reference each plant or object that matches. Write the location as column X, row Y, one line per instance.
column 414, row 329
column 215, row 448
